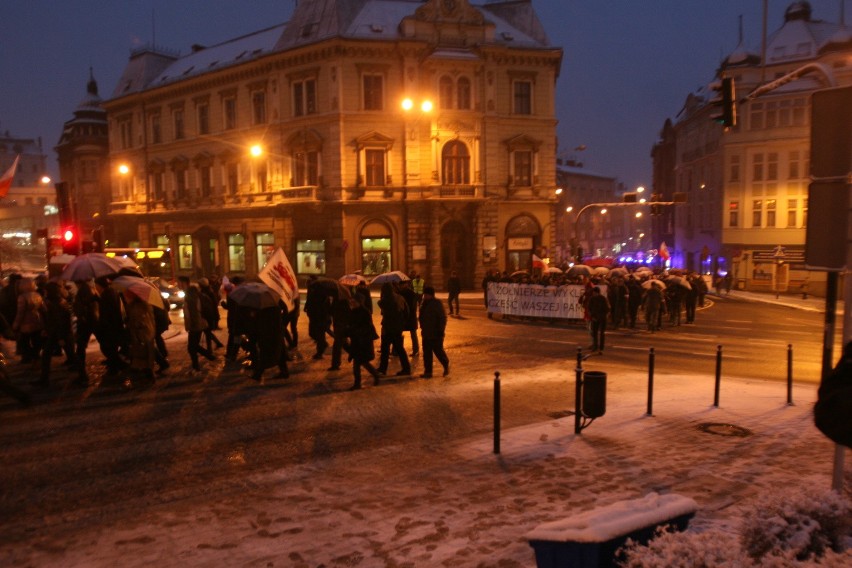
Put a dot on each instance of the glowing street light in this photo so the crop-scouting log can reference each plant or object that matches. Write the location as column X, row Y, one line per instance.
column 256, row 150
column 124, row 169
column 45, row 180
column 569, row 209
column 640, row 189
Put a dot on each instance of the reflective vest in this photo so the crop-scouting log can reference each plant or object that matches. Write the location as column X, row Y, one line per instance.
column 417, row 285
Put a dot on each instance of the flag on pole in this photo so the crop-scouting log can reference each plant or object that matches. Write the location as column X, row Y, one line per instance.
column 537, row 262
column 664, row 251
column 279, row 275
column 8, row 177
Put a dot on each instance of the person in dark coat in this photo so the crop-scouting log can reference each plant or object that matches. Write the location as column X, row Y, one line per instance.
column 86, row 313
column 210, row 313
column 318, row 309
column 453, row 291
column 362, row 290
column 110, row 331
column 833, row 409
column 690, row 298
column 408, row 294
column 57, row 330
column 234, row 322
column 9, row 304
column 362, row 334
column 393, row 308
column 341, row 312
column 634, row 301
column 265, row 331
column 598, row 313
column 433, row 325
column 193, row 322
column 653, row 302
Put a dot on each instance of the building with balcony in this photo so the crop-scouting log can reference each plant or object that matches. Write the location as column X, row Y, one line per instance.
column 747, row 187
column 297, row 136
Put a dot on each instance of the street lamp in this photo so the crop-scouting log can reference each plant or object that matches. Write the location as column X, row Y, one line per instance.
column 256, row 150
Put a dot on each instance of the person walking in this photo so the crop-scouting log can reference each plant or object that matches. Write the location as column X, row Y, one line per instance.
column 265, row 331
column 393, row 308
column 362, row 335
column 453, row 291
column 318, row 309
column 598, row 312
column 194, row 323
column 406, row 290
column 57, row 333
column 433, row 325
column 653, row 302
column 341, row 312
column 29, row 320
column 110, row 330
column 86, row 314
column 210, row 312
column 417, row 284
column 141, row 331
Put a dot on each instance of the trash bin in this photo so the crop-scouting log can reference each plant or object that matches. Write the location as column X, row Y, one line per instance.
column 594, row 394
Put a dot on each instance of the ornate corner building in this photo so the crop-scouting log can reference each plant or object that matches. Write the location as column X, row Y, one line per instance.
column 298, row 136
column 747, row 187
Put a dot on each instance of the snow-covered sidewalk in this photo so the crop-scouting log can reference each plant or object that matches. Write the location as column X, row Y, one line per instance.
column 464, row 506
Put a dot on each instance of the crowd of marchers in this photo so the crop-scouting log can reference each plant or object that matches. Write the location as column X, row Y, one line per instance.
column 51, row 318
column 614, row 298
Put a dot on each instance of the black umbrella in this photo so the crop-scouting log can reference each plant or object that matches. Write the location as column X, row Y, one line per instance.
column 254, row 295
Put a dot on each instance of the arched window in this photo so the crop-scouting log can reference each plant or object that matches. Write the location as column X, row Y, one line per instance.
column 456, row 164
column 445, row 93
column 463, row 94
column 376, row 246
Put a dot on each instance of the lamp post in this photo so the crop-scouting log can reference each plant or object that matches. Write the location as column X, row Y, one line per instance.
column 411, row 175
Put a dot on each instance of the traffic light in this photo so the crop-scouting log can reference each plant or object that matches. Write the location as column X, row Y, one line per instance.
column 70, row 240
column 725, row 102
column 655, row 209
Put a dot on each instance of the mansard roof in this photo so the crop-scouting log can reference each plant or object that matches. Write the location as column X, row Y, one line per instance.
column 512, row 23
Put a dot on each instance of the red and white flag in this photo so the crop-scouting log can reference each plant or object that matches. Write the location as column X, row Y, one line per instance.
column 537, row 262
column 664, row 251
column 279, row 275
column 8, row 177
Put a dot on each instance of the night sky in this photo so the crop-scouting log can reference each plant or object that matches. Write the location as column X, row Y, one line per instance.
column 627, row 66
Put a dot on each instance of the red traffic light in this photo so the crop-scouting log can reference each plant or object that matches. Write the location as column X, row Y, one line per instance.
column 70, row 241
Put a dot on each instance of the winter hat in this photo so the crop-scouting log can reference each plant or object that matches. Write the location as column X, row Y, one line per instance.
column 428, row 290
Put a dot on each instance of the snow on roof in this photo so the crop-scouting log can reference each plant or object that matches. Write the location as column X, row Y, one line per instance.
column 216, row 57
column 615, row 520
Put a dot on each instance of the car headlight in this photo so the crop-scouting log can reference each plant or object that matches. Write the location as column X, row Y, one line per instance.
column 165, row 295
column 181, row 294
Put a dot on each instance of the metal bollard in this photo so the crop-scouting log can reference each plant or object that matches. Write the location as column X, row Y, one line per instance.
column 578, row 392
column 496, row 412
column 651, row 382
column 718, row 375
column 790, row 374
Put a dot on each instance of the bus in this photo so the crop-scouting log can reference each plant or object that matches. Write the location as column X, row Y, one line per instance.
column 152, row 262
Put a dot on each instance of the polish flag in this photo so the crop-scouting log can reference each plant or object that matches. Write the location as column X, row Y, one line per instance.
column 537, row 262
column 664, row 251
column 8, row 177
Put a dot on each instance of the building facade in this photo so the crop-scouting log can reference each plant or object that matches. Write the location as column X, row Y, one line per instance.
column 29, row 210
column 747, row 187
column 296, row 136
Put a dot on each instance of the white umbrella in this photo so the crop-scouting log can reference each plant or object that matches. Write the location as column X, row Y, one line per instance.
column 92, row 265
column 395, row 276
column 580, row 270
column 552, row 270
column 654, row 282
column 351, row 279
column 618, row 271
column 600, row 270
column 140, row 288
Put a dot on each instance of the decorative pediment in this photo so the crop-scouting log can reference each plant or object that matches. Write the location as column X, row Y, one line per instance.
column 374, row 139
column 452, row 11
column 179, row 162
column 522, row 142
column 156, row 166
column 202, row 159
column 305, row 140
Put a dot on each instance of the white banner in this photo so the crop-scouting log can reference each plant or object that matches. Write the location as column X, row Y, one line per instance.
column 279, row 275
column 532, row 300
